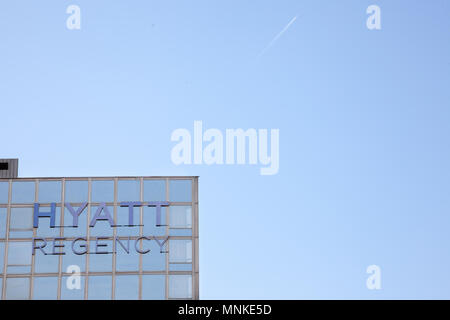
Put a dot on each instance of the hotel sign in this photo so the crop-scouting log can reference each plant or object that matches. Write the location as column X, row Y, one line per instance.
column 79, row 245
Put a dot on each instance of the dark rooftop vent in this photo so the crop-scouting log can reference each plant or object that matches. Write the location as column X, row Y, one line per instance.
column 9, row 168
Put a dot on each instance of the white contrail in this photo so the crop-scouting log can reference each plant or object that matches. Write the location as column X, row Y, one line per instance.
column 276, row 37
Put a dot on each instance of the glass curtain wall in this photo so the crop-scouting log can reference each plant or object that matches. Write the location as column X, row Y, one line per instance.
column 110, row 238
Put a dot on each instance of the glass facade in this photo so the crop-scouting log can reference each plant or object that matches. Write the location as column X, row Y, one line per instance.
column 99, row 238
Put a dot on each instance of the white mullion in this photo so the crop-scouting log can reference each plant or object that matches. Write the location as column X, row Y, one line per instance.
column 33, row 257
column 167, row 242
column 86, row 277
column 61, row 234
column 5, row 261
column 113, row 285
column 141, row 231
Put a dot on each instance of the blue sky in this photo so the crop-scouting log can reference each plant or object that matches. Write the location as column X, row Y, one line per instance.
column 363, row 118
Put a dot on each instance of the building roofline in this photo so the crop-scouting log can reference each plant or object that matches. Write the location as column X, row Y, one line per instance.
column 105, row 177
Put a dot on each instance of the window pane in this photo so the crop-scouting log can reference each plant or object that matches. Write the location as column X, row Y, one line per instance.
column 100, row 262
column 19, row 253
column 76, row 191
column 21, row 219
column 99, row 288
column 128, row 190
column 153, row 287
column 180, row 286
column 3, row 213
column 2, row 256
column 180, row 232
column 180, row 217
column 22, row 192
column 150, row 228
column 102, row 228
column 44, row 229
column 127, row 261
column 123, row 221
column 154, row 260
column 49, row 191
column 127, row 287
column 180, row 267
column 102, row 191
column 19, row 269
column 46, row 263
column 180, row 251
column 17, row 288
column 180, row 190
column 69, row 230
column 72, row 288
column 154, row 190
column 70, row 258
column 4, row 189
column 45, row 288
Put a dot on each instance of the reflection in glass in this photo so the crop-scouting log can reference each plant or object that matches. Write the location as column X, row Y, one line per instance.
column 18, row 269
column 21, row 218
column 102, row 191
column 180, row 267
column 180, row 232
column 180, row 286
column 154, row 190
column 180, row 251
column 3, row 213
column 180, row 216
column 99, row 287
column 100, row 262
column 4, row 190
column 180, row 190
column 2, row 255
column 22, row 192
column 46, row 263
column 76, row 191
column 17, row 288
column 127, row 287
column 45, row 288
column 153, row 287
column 154, row 260
column 19, row 253
column 128, row 190
column 127, row 261
column 49, row 191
